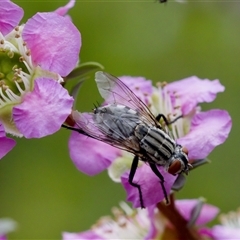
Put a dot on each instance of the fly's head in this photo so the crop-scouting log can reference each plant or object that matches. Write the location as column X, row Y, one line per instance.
column 178, row 163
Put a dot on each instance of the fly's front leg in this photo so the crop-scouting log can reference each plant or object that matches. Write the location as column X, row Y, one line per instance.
column 160, row 176
column 75, row 129
column 159, row 116
column 131, row 176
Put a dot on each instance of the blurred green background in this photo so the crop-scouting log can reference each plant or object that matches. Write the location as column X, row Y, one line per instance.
column 41, row 188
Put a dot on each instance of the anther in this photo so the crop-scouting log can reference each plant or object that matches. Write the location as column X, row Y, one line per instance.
column 17, row 35
column 164, row 84
column 14, row 67
column 176, row 95
column 10, row 54
column 15, row 77
column 2, row 82
column 16, row 28
column 28, row 53
column 2, row 41
column 5, row 87
column 21, row 59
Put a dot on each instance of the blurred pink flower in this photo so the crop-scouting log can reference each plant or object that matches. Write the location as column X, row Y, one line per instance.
column 149, row 223
column 229, row 228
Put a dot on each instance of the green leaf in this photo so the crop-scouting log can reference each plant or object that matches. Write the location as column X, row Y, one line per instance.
column 75, row 90
column 83, row 70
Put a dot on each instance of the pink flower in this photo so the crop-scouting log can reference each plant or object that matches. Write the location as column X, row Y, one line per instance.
column 152, row 223
column 229, row 228
column 206, row 214
column 200, row 132
column 125, row 224
column 36, row 56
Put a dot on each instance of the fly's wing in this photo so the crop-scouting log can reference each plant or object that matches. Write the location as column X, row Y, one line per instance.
column 89, row 127
column 114, row 91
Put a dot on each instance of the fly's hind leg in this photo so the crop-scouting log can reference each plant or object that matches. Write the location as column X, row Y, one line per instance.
column 131, row 176
column 159, row 116
column 160, row 176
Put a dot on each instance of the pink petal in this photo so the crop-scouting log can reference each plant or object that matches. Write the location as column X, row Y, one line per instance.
column 150, row 185
column 43, row 110
column 140, row 86
column 7, row 144
column 54, row 42
column 10, row 16
column 152, row 233
column 89, row 155
column 205, row 232
column 194, row 90
column 207, row 214
column 222, row 232
column 63, row 10
column 208, row 130
column 2, row 131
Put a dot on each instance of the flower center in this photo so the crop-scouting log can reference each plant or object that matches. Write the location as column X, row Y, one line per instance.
column 168, row 104
column 15, row 68
column 125, row 224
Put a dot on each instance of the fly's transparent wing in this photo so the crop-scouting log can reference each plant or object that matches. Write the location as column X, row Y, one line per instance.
column 87, row 124
column 114, row 91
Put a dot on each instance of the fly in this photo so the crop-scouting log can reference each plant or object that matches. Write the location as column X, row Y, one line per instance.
column 128, row 124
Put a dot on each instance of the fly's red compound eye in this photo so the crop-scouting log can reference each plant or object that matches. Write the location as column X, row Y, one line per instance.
column 175, row 167
column 185, row 150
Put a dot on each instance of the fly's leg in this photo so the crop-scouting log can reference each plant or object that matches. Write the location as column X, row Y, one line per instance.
column 131, row 176
column 159, row 116
column 160, row 176
column 76, row 130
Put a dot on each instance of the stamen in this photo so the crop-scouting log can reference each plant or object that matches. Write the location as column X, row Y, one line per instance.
column 2, row 95
column 28, row 53
column 25, row 78
column 21, row 59
column 126, row 208
column 10, row 54
column 169, row 105
column 5, row 87
column 19, row 88
column 12, row 96
column 232, row 219
column 22, row 46
column 14, row 67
